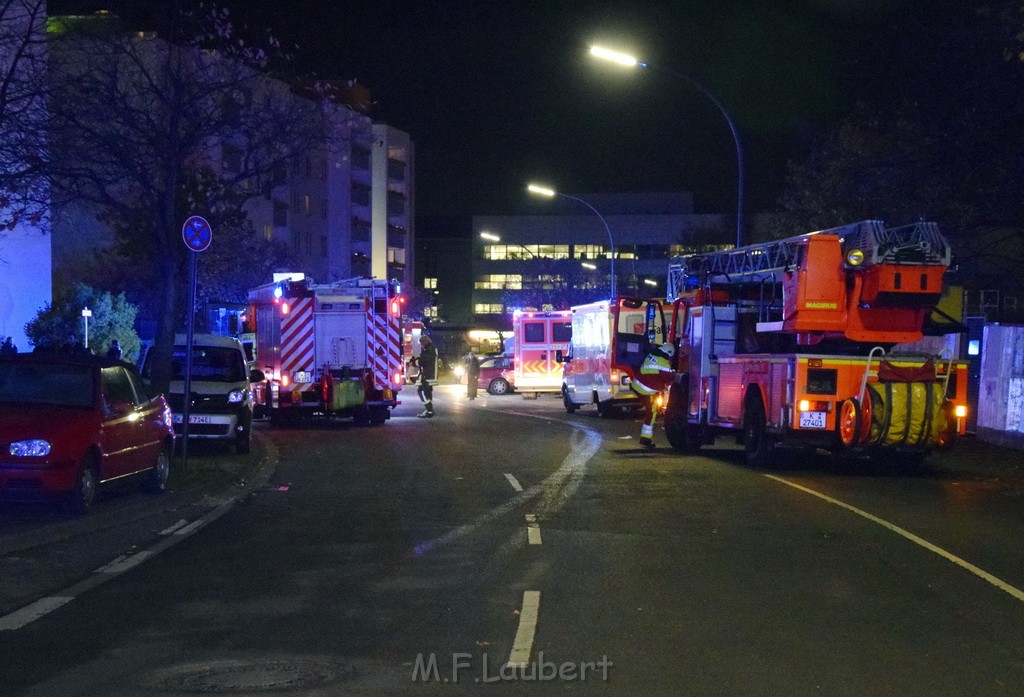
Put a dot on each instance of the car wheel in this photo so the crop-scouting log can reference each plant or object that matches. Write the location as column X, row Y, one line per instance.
column 498, row 386
column 83, row 495
column 156, row 481
column 243, row 446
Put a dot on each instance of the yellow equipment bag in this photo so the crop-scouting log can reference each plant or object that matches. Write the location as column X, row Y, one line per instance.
column 346, row 393
column 907, row 413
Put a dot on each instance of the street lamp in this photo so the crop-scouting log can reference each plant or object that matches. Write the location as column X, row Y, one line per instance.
column 631, row 62
column 551, row 193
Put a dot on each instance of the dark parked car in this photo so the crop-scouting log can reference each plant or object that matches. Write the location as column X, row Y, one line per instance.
column 70, row 422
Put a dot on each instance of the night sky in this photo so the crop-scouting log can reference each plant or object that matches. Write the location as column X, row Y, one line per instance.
column 498, row 93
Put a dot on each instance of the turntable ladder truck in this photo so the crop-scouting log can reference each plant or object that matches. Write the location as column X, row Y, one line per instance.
column 790, row 343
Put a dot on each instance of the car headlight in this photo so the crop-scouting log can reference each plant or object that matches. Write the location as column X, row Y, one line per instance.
column 236, row 396
column 36, row 447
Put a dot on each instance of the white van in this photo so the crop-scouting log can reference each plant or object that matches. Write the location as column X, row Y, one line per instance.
column 221, row 407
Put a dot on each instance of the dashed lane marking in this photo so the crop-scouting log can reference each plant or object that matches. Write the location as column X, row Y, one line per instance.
column 980, row 573
column 168, row 531
column 30, row 613
column 519, row 657
column 514, row 482
column 532, row 529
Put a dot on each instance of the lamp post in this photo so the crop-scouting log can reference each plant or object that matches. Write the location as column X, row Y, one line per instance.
column 551, row 193
column 631, row 62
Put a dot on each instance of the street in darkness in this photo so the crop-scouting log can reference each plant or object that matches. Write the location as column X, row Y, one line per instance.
column 507, row 547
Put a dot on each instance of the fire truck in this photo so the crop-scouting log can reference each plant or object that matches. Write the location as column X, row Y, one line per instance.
column 537, row 339
column 328, row 350
column 791, row 343
column 610, row 339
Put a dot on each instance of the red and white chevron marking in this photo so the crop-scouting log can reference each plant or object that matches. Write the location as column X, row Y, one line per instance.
column 383, row 348
column 297, row 336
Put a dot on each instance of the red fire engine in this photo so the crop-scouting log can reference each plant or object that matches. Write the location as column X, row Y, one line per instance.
column 330, row 349
column 791, row 343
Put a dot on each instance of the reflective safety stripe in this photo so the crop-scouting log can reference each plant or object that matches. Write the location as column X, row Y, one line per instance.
column 647, row 430
column 642, row 389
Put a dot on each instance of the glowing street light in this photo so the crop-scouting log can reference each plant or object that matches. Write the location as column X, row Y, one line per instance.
column 650, row 282
column 630, row 61
column 548, row 192
column 589, row 266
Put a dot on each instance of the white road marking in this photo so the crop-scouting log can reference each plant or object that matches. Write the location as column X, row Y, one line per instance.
column 125, row 562
column 980, row 573
column 523, row 644
column 168, row 531
column 30, row 613
column 514, row 482
column 532, row 529
column 191, row 527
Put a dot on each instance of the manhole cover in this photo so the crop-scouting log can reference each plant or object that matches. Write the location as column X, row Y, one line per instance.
column 227, row 677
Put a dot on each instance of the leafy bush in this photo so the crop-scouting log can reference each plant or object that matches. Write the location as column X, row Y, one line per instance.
column 61, row 323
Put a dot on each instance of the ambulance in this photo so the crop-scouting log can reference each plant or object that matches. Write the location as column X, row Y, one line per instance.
column 610, row 339
column 537, row 339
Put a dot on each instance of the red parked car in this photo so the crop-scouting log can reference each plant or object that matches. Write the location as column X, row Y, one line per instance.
column 70, row 422
column 495, row 374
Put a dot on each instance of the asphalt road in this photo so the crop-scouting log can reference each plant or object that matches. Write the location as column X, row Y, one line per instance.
column 504, row 542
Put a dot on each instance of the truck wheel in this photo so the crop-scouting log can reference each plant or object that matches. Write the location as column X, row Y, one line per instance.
column 756, row 439
column 605, row 410
column 848, row 423
column 570, row 406
column 378, row 415
column 680, row 433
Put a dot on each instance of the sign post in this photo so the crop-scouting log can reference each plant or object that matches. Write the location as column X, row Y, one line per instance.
column 86, row 314
column 198, row 235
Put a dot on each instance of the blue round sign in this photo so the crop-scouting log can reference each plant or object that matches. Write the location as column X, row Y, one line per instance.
column 197, row 233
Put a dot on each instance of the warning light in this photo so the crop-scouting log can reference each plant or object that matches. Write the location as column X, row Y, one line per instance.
column 285, row 308
column 285, row 380
column 395, row 311
column 960, row 411
column 278, row 291
column 805, row 405
column 397, row 379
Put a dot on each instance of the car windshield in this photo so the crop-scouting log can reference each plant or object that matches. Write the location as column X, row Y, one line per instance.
column 46, row 383
column 209, row 364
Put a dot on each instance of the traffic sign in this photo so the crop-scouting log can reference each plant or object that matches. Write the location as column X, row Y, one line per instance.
column 197, row 233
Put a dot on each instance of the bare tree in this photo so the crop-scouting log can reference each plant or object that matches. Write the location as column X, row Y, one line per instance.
column 152, row 128
column 22, row 110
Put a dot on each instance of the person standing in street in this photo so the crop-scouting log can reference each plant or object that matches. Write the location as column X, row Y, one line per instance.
column 428, row 376
column 655, row 376
column 472, row 374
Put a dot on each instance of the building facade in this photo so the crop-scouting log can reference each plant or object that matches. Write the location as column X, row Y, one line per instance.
column 558, row 254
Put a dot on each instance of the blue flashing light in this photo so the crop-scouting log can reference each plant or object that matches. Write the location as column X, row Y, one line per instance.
column 278, row 291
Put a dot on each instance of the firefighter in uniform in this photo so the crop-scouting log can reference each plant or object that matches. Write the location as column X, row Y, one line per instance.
column 655, row 376
column 428, row 376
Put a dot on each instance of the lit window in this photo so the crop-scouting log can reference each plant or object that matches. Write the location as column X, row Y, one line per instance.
column 488, row 308
column 430, row 283
column 499, row 281
column 268, row 232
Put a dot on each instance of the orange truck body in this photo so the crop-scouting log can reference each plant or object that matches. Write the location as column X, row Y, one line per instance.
column 791, row 343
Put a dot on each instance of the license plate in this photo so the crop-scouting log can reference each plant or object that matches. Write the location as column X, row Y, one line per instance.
column 812, row 419
column 303, row 376
column 194, row 419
